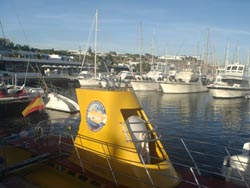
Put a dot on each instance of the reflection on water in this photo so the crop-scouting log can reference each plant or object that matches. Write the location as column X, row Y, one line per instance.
column 185, row 108
column 232, row 116
column 229, row 112
column 198, row 119
column 194, row 116
column 199, row 116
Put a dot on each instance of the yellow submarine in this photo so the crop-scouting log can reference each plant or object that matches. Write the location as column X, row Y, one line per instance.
column 115, row 145
column 124, row 147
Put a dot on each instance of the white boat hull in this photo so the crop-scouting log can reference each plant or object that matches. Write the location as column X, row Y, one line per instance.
column 114, row 84
column 145, row 85
column 58, row 102
column 183, row 87
column 228, row 92
column 89, row 82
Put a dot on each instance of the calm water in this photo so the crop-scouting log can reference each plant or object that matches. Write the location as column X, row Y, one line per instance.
column 189, row 116
column 199, row 116
column 206, row 126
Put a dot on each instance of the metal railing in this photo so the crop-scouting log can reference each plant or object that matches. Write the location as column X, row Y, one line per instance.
column 182, row 152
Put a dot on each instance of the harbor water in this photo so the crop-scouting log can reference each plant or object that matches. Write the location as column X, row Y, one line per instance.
column 199, row 117
column 177, row 117
column 196, row 129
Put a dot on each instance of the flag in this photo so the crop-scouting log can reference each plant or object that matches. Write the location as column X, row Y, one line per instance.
column 34, row 105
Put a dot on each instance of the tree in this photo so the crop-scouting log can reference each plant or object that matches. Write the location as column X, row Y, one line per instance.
column 4, row 43
column 25, row 47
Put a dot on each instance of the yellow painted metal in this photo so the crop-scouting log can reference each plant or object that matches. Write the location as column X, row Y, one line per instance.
column 105, row 146
column 46, row 174
column 111, row 132
column 13, row 155
column 109, row 151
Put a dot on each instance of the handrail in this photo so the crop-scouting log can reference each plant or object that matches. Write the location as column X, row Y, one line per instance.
column 78, row 155
column 195, row 178
column 151, row 131
column 148, row 174
column 200, row 167
column 110, row 167
column 191, row 156
column 183, row 146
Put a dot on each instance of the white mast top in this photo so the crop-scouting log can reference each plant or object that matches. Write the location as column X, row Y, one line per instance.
column 141, row 49
column 96, row 29
column 227, row 55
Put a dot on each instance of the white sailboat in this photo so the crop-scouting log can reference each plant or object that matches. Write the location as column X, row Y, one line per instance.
column 87, row 79
column 149, row 82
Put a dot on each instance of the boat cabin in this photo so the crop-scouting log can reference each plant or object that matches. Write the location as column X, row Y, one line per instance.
column 235, row 70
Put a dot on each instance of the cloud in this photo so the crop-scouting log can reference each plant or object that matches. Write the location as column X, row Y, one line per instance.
column 230, row 31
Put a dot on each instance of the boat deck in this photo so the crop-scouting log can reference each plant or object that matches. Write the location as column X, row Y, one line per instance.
column 55, row 164
column 49, row 156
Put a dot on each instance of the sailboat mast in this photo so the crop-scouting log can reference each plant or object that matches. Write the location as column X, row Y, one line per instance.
column 227, row 55
column 140, row 49
column 248, row 59
column 2, row 29
column 206, row 52
column 238, row 58
column 96, row 29
column 153, row 44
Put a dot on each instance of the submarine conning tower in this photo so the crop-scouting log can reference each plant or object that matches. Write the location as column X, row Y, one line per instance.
column 116, row 141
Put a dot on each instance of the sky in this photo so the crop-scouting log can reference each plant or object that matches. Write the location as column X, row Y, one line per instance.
column 159, row 27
